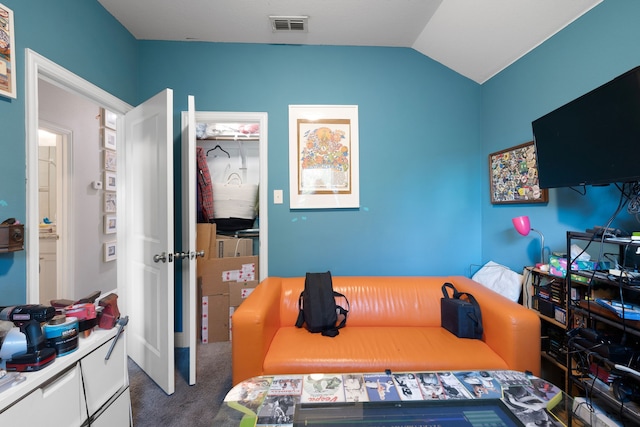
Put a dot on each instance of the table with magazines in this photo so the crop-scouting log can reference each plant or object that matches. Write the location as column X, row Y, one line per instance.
column 402, row 399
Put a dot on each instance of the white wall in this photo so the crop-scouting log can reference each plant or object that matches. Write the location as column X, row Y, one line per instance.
column 72, row 112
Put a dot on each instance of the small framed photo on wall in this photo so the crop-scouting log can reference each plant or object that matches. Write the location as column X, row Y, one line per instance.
column 110, row 202
column 110, row 181
column 109, row 138
column 110, row 225
column 110, row 160
column 110, row 251
column 108, row 119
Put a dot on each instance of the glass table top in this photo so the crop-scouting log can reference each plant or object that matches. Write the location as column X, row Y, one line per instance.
column 406, row 399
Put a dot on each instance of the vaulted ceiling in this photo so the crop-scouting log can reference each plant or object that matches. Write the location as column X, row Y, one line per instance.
column 476, row 38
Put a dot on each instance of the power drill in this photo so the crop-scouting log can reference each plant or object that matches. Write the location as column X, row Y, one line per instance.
column 23, row 313
column 28, row 318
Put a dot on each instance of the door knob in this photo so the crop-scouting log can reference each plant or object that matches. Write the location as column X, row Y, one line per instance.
column 162, row 257
column 194, row 255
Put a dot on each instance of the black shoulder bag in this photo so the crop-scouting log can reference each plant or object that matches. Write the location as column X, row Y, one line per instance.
column 459, row 316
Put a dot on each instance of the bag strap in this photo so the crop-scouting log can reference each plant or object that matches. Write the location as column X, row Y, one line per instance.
column 476, row 317
column 232, row 178
column 446, row 293
column 300, row 320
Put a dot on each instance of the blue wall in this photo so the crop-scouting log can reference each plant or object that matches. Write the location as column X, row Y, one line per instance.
column 425, row 133
column 82, row 37
column 419, row 148
column 591, row 51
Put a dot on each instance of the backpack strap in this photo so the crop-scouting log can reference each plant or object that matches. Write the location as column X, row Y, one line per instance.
column 341, row 310
column 300, row 320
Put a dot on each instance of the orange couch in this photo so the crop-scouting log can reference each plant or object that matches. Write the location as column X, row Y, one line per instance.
column 394, row 323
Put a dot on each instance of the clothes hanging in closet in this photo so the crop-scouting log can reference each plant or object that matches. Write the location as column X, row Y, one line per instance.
column 204, row 187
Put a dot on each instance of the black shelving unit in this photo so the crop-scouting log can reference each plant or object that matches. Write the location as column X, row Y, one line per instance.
column 547, row 294
column 598, row 338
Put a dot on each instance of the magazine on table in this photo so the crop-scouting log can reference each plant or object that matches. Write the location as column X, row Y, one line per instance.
column 322, row 388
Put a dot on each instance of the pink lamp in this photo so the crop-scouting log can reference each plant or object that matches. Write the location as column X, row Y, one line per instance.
column 522, row 225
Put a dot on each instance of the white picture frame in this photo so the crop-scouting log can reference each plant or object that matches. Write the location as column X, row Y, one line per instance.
column 110, row 224
column 110, row 251
column 8, row 58
column 110, row 202
column 109, row 181
column 109, row 139
column 109, row 119
column 324, row 157
column 110, row 160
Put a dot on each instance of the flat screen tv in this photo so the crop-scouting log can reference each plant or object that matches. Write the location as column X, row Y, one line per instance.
column 594, row 139
column 443, row 413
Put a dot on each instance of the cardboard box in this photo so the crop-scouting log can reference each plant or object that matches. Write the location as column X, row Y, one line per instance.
column 212, row 285
column 214, row 309
column 205, row 233
column 232, row 247
column 238, row 291
column 231, row 311
column 215, row 279
column 232, row 269
column 215, row 318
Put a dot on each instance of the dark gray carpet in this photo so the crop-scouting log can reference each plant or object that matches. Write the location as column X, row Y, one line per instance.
column 195, row 405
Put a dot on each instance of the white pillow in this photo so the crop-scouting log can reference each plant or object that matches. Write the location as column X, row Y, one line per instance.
column 500, row 279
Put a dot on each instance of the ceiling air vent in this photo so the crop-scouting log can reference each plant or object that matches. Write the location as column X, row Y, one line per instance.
column 289, row 24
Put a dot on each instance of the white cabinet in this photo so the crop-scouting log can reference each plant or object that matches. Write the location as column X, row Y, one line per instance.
column 63, row 391
column 81, row 388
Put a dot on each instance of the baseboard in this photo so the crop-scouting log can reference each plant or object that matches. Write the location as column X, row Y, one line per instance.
column 180, row 339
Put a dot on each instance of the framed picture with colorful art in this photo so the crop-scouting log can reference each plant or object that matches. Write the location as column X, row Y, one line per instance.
column 7, row 53
column 323, row 157
column 513, row 176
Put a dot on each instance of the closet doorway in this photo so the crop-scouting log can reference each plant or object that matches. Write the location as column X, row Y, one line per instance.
column 235, row 147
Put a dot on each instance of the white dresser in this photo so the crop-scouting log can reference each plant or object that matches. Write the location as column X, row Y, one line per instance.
column 78, row 389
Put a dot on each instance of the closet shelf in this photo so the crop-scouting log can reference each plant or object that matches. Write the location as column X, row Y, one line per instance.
column 231, row 138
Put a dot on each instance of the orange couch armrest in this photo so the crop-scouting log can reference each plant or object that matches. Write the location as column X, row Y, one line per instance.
column 253, row 326
column 510, row 329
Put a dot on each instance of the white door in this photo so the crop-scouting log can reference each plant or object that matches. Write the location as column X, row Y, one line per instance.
column 148, row 194
column 189, row 291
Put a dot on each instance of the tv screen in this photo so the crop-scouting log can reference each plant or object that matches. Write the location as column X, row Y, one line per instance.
column 458, row 413
column 594, row 139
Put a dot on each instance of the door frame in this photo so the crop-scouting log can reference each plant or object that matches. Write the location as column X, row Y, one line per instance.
column 39, row 67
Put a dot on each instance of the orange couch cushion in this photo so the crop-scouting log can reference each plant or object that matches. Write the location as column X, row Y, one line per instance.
column 375, row 349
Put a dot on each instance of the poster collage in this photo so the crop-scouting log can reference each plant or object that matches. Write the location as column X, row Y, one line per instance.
column 273, row 399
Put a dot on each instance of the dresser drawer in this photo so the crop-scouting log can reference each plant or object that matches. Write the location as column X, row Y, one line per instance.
column 104, row 378
column 118, row 414
column 58, row 402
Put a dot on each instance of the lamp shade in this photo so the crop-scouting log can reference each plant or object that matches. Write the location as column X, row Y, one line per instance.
column 522, row 225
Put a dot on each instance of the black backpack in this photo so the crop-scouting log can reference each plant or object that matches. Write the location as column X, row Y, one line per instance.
column 317, row 305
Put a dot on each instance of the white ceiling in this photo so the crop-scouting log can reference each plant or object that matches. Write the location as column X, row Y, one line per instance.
column 476, row 38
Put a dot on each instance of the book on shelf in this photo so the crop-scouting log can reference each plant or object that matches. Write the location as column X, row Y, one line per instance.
column 624, row 311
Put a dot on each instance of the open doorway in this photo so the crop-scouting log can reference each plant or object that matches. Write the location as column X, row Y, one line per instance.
column 54, row 181
column 235, row 146
column 69, row 208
